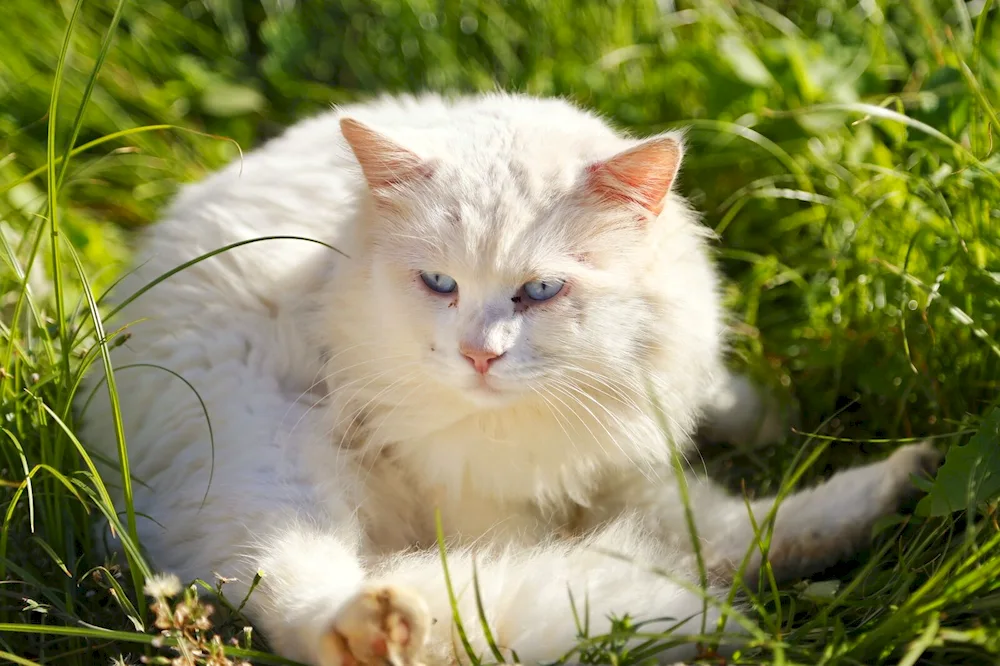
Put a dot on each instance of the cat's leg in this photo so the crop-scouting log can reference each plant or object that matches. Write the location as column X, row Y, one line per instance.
column 532, row 598
column 316, row 604
column 813, row 528
column 313, row 582
column 740, row 412
column 315, row 601
column 278, row 505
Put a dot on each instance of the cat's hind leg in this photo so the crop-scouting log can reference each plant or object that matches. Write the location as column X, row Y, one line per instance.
column 813, row 528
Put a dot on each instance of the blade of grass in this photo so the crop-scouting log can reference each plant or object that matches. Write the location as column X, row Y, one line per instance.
column 873, row 111
column 481, row 611
column 89, row 90
column 14, row 659
column 102, row 499
column 120, row 597
column 682, row 488
column 24, row 296
column 201, row 402
column 100, row 633
column 207, row 255
column 138, row 573
column 53, row 187
column 452, row 599
column 27, row 480
column 111, row 137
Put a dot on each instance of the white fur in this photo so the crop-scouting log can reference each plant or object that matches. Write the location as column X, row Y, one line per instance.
column 343, row 413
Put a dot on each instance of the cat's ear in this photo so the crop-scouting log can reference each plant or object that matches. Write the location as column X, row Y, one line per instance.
column 641, row 175
column 385, row 164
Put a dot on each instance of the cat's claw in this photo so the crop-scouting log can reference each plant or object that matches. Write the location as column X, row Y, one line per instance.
column 380, row 625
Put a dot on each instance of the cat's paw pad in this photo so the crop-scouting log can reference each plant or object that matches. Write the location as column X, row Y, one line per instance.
column 380, row 625
column 921, row 460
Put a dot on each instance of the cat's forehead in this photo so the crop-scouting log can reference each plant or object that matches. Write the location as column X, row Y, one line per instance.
column 509, row 187
column 495, row 227
column 504, row 143
column 508, row 193
column 504, row 180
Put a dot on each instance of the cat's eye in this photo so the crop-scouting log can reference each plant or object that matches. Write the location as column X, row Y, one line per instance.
column 439, row 282
column 542, row 290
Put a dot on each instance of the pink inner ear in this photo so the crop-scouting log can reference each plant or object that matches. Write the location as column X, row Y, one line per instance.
column 641, row 175
column 385, row 163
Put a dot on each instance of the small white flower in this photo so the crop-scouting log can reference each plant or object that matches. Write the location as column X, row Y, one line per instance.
column 163, row 585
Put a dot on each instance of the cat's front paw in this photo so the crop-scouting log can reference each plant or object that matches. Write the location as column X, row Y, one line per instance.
column 380, row 625
column 920, row 460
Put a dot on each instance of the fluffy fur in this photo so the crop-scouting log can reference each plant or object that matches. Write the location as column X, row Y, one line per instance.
column 344, row 413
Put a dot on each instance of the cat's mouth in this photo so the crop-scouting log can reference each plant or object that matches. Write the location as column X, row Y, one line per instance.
column 488, row 391
column 487, row 385
column 496, row 388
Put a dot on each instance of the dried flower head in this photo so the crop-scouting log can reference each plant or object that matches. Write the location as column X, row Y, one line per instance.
column 162, row 586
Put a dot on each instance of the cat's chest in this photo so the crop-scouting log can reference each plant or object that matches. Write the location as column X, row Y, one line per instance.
column 400, row 512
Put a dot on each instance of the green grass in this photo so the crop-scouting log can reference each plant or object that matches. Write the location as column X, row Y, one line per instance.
column 844, row 151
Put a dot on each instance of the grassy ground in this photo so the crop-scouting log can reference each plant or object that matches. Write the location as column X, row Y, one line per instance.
column 844, row 151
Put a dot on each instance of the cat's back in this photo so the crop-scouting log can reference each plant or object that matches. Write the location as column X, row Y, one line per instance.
column 253, row 243
column 296, row 185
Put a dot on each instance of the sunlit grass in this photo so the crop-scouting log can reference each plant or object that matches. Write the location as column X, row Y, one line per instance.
column 845, row 154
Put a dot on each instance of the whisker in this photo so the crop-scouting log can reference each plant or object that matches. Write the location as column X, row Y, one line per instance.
column 350, row 400
column 631, row 431
column 385, row 418
column 619, row 396
column 371, row 400
column 597, row 440
column 614, row 440
column 556, row 415
column 337, row 389
column 326, row 378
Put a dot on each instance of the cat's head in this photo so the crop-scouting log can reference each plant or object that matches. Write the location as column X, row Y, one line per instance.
column 520, row 249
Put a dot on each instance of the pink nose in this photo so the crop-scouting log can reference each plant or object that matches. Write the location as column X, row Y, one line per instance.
column 480, row 358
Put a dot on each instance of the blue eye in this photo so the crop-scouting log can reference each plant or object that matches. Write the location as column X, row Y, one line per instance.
column 543, row 290
column 439, row 282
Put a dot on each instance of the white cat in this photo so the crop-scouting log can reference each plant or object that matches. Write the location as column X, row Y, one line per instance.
column 519, row 278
